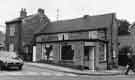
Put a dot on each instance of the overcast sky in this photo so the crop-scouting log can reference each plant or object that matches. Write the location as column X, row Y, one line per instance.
column 68, row 9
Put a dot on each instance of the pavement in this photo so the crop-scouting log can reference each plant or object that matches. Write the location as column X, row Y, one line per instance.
column 74, row 71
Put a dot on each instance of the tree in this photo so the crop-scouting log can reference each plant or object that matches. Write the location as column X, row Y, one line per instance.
column 124, row 50
column 122, row 57
column 123, row 27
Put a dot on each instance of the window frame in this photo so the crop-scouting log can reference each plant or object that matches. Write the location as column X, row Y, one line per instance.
column 12, row 30
column 63, row 36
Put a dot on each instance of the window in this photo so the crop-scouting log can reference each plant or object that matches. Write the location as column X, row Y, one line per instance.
column 12, row 30
column 63, row 36
column 47, row 52
column 92, row 34
column 102, row 50
column 67, row 52
column 101, row 35
column 11, row 47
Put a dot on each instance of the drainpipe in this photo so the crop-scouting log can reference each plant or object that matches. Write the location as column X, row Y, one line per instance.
column 111, row 50
column 107, row 56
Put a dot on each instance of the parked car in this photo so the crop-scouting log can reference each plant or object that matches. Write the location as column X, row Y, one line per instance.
column 10, row 60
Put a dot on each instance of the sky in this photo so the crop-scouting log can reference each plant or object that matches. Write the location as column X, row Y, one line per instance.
column 68, row 9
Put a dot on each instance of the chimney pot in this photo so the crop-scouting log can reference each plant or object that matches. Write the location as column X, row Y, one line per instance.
column 85, row 16
column 41, row 11
column 23, row 12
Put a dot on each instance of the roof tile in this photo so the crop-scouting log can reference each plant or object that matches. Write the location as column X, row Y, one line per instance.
column 83, row 23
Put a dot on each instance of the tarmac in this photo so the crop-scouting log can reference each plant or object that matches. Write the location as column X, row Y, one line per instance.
column 78, row 72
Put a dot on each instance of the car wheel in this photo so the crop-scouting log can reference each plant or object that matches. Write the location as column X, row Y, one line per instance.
column 1, row 68
column 20, row 67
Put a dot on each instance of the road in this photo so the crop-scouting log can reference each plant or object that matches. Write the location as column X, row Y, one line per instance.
column 30, row 72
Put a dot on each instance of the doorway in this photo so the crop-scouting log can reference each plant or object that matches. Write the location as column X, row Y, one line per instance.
column 89, row 57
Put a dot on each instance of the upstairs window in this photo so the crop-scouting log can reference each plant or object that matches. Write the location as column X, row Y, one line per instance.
column 93, row 35
column 63, row 36
column 101, row 35
column 12, row 31
column 11, row 47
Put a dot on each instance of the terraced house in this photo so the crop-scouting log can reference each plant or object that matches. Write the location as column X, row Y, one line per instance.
column 88, row 41
column 131, row 40
column 20, row 32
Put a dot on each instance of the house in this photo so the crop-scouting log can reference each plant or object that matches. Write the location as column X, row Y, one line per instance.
column 88, row 41
column 2, row 39
column 20, row 31
column 132, row 38
column 125, row 41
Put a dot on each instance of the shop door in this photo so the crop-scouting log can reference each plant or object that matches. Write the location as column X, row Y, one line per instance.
column 89, row 56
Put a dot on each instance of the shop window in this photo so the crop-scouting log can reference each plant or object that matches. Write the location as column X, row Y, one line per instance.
column 102, row 50
column 47, row 52
column 67, row 52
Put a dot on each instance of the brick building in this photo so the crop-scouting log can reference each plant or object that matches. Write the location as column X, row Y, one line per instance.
column 89, row 41
column 20, row 31
column 132, row 38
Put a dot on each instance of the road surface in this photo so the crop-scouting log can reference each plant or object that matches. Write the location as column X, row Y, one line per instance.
column 30, row 72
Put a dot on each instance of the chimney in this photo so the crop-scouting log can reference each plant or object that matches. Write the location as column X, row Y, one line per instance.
column 41, row 11
column 85, row 16
column 23, row 13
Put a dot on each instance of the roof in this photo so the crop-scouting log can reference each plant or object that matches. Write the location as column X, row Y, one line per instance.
column 83, row 23
column 14, row 20
column 131, row 26
column 31, row 24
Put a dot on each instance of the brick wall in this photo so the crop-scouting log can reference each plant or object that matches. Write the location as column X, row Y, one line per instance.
column 126, row 40
column 15, row 39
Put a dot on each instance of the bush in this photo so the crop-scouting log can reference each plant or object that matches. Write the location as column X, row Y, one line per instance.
column 124, row 50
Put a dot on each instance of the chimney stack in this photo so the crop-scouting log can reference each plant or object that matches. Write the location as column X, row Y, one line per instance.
column 41, row 11
column 23, row 13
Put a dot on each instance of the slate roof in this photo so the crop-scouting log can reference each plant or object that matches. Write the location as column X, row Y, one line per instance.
column 14, row 20
column 78, row 24
column 31, row 24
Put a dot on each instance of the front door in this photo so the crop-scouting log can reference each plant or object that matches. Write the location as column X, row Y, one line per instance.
column 89, row 56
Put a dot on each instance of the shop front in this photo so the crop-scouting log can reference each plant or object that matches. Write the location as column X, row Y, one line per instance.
column 87, row 54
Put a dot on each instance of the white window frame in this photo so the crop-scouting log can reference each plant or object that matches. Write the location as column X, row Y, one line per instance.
column 105, row 52
column 12, row 31
column 44, row 51
column 62, row 36
column 93, row 34
column 11, row 47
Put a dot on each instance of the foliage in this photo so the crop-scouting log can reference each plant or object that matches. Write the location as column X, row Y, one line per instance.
column 123, row 27
column 124, row 50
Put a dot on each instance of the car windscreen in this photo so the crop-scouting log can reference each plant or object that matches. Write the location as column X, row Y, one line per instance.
column 8, row 54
